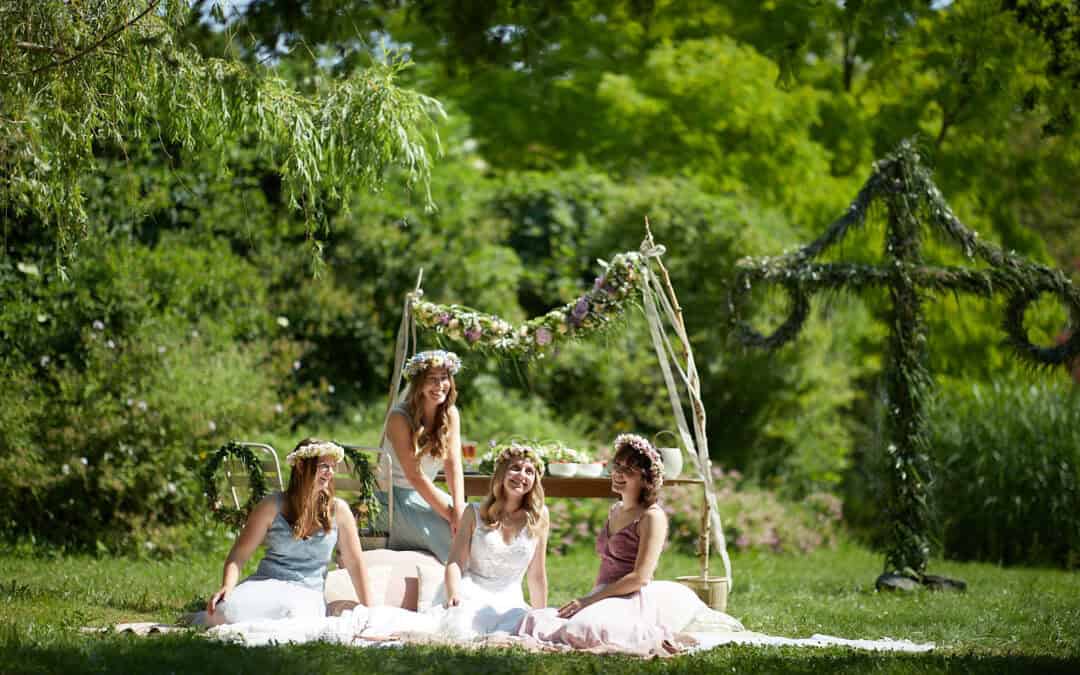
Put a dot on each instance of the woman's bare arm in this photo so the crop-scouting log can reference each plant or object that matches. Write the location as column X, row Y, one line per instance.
column 251, row 536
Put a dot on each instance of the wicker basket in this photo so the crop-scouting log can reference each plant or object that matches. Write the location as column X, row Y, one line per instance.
column 713, row 591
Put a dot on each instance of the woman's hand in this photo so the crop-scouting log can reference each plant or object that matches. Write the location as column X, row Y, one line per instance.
column 216, row 599
column 571, row 608
column 453, row 601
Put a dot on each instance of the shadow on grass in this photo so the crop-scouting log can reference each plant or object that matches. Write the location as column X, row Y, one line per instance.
column 23, row 652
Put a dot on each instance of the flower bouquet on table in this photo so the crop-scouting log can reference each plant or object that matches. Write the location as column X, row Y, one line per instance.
column 562, row 461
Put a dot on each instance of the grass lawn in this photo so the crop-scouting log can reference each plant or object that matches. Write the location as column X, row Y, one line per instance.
column 1011, row 620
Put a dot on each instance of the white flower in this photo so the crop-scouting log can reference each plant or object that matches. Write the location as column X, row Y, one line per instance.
column 296, row 364
column 212, row 425
column 316, row 450
column 283, row 321
column 142, row 405
column 110, row 344
column 161, row 349
column 98, row 324
column 45, row 360
column 85, row 462
column 129, row 402
column 65, row 469
column 170, row 487
column 330, row 388
column 278, row 408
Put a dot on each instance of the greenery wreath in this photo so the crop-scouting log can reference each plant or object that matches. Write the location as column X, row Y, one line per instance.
column 799, row 310
column 256, row 484
column 1017, row 334
column 367, row 507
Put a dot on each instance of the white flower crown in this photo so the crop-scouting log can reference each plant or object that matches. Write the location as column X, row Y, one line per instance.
column 320, row 449
column 435, row 358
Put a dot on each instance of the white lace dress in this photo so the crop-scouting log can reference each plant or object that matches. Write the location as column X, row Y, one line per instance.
column 490, row 589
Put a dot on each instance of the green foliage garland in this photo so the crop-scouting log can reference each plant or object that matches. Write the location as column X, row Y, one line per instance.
column 256, row 486
column 593, row 311
column 367, row 507
column 912, row 202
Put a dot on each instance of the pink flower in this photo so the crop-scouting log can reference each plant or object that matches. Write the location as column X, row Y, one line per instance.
column 473, row 333
column 543, row 336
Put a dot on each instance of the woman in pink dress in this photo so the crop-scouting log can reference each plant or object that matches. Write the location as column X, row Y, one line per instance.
column 622, row 612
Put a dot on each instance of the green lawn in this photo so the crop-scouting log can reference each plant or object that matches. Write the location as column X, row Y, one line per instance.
column 1012, row 620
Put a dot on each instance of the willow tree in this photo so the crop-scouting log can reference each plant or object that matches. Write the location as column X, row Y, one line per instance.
column 915, row 209
column 79, row 77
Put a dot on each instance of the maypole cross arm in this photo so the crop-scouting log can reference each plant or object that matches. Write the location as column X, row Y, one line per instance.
column 912, row 203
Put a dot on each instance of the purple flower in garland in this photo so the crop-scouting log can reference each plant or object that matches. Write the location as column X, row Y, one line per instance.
column 581, row 309
column 543, row 336
column 444, row 318
column 473, row 333
column 600, row 282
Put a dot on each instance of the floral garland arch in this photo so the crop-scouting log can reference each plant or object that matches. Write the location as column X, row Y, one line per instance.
column 627, row 279
column 594, row 311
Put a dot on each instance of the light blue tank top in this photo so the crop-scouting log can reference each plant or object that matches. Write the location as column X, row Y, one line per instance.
column 301, row 561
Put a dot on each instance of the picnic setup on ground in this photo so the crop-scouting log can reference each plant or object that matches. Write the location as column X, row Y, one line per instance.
column 417, row 562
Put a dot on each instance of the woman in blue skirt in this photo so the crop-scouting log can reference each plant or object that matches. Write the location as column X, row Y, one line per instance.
column 424, row 434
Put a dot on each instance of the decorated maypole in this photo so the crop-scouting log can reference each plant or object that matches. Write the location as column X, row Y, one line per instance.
column 914, row 208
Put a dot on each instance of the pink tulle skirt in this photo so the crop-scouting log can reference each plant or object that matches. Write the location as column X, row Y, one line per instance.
column 627, row 624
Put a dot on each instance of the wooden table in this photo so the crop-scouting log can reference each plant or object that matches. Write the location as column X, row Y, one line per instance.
column 476, row 485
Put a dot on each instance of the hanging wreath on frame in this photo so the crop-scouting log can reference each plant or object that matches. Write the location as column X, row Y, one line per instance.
column 367, row 507
column 231, row 516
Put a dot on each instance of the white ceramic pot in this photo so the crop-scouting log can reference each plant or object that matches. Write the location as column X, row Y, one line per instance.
column 562, row 469
column 590, row 470
column 673, row 461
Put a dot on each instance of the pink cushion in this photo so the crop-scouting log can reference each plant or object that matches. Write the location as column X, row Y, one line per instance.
column 402, row 584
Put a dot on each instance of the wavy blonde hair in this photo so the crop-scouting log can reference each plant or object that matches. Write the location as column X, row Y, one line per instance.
column 533, row 500
column 311, row 510
column 436, row 441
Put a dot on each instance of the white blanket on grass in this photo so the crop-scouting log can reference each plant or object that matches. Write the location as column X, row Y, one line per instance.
column 382, row 626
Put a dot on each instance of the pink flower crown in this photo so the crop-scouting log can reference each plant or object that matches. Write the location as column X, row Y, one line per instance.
column 642, row 446
column 435, row 358
column 518, row 451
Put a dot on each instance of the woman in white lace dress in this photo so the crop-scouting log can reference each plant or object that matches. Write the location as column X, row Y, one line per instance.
column 497, row 544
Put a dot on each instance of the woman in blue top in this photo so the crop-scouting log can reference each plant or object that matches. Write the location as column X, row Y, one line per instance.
column 300, row 529
column 424, row 434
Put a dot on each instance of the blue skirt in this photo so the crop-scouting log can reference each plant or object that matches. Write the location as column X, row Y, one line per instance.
column 416, row 526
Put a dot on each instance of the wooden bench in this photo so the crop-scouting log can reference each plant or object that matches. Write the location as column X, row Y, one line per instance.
column 346, row 486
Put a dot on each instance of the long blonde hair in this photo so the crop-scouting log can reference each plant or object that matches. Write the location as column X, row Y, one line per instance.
column 434, row 441
column 532, row 502
column 310, row 510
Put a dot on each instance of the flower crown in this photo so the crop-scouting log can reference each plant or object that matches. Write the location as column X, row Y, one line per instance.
column 436, row 358
column 644, row 447
column 318, row 449
column 518, row 451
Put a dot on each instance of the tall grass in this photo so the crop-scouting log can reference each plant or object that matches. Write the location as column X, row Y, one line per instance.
column 1008, row 483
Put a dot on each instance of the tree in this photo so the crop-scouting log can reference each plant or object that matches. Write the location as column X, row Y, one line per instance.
column 82, row 80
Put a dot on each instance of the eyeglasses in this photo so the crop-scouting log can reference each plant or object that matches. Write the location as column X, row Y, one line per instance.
column 624, row 469
column 325, row 467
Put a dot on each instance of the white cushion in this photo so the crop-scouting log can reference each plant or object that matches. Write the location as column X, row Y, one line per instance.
column 339, row 584
column 430, row 579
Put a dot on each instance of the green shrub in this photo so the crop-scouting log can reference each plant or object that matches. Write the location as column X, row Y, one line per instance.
column 1008, row 471
column 120, row 382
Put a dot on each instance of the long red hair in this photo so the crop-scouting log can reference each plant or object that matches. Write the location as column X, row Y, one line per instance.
column 309, row 510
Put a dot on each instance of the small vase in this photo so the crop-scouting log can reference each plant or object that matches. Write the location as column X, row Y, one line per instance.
column 673, row 461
